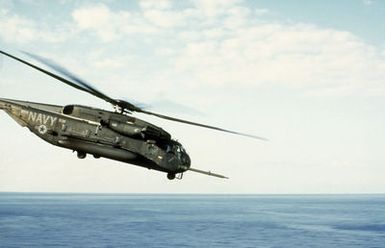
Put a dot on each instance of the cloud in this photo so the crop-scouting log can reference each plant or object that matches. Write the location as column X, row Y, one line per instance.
column 367, row 2
column 262, row 11
column 93, row 16
column 155, row 4
column 298, row 55
column 226, row 43
column 213, row 8
column 218, row 44
column 97, row 18
column 17, row 29
column 109, row 25
column 169, row 18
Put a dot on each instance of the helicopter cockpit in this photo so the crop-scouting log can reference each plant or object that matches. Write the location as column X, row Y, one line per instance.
column 176, row 148
column 182, row 154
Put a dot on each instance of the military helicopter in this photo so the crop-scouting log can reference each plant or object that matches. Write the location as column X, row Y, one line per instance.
column 115, row 135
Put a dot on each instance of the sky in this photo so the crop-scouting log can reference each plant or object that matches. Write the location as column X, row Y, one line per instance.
column 307, row 75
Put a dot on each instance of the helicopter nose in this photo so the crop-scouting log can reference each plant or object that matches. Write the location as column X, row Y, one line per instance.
column 185, row 159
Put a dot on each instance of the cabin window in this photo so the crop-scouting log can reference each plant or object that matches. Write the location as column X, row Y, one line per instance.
column 67, row 110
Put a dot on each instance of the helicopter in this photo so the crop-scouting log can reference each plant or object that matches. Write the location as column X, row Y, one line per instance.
column 115, row 135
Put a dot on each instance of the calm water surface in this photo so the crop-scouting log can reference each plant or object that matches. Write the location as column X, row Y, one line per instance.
column 105, row 220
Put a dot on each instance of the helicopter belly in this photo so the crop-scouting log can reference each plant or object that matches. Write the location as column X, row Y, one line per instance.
column 99, row 150
column 109, row 152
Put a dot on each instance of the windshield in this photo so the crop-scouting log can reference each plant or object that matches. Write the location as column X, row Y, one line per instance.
column 179, row 148
column 174, row 147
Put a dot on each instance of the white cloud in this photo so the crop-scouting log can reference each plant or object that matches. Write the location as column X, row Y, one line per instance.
column 224, row 43
column 155, row 4
column 213, row 8
column 17, row 29
column 100, row 19
column 260, row 12
column 108, row 63
column 298, row 55
column 367, row 2
column 109, row 25
column 162, row 18
column 93, row 16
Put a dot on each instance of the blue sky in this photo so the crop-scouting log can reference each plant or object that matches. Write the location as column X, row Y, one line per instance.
column 362, row 18
column 308, row 75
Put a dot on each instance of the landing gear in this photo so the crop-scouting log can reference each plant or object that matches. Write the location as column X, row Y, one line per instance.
column 171, row 176
column 82, row 155
column 179, row 176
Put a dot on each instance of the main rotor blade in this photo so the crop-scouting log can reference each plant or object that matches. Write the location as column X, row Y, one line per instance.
column 200, row 125
column 83, row 86
column 44, row 71
column 124, row 105
column 90, row 89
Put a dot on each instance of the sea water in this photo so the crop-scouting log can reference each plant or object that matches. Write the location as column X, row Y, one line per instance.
column 119, row 220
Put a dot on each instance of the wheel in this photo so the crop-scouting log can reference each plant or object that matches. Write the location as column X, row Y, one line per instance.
column 82, row 155
column 96, row 156
column 171, row 176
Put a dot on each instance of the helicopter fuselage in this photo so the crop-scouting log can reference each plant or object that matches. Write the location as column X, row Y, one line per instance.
column 101, row 133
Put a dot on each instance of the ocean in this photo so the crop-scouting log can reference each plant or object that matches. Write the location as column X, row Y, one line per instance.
column 129, row 220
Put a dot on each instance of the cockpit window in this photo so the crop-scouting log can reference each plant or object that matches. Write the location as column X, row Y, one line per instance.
column 173, row 147
column 179, row 149
column 182, row 149
column 168, row 148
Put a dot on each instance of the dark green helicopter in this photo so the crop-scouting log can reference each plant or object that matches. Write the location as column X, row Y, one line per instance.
column 114, row 135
